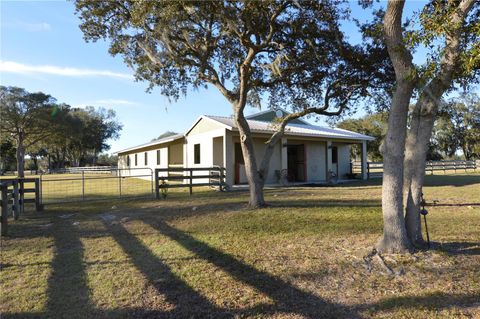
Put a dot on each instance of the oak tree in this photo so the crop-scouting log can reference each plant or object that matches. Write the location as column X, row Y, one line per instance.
column 291, row 53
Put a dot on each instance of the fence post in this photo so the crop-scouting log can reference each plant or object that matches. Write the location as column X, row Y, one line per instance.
column 16, row 202
column 38, row 201
column 368, row 170
column 190, row 187
column 4, row 220
column 83, row 185
column 157, row 185
column 21, row 190
column 119, row 183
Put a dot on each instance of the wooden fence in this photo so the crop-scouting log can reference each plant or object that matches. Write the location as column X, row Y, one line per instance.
column 181, row 177
column 375, row 169
column 12, row 198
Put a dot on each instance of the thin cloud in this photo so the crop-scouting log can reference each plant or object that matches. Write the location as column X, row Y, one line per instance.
column 111, row 103
column 14, row 67
column 29, row 26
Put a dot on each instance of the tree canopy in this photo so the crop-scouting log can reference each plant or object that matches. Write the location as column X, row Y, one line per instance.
column 374, row 125
column 35, row 124
column 289, row 53
column 458, row 127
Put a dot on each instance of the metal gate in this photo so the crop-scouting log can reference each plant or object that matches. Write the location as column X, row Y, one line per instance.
column 82, row 184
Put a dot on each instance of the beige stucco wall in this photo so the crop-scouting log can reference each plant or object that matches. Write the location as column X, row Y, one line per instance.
column 218, row 151
column 175, row 154
column 316, row 161
column 172, row 152
column 210, row 137
column 259, row 147
column 343, row 159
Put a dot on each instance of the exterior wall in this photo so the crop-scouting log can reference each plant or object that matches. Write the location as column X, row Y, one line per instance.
column 174, row 152
column 204, row 126
column 217, row 151
column 210, row 136
column 259, row 147
column 316, row 160
column 343, row 159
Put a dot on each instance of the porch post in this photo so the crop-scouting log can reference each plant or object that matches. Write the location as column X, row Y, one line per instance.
column 364, row 160
column 329, row 159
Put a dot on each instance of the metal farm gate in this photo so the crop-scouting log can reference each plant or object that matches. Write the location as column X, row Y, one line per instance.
column 95, row 183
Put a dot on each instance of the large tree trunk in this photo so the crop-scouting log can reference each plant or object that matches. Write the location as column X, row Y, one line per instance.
column 394, row 237
column 255, row 181
column 419, row 135
column 421, row 128
column 423, row 119
column 20, row 157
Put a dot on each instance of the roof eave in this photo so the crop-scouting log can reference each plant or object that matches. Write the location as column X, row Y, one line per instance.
column 154, row 143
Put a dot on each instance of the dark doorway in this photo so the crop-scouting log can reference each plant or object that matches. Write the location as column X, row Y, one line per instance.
column 239, row 162
column 335, row 160
column 296, row 163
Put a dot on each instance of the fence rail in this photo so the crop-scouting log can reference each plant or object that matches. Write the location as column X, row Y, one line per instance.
column 375, row 169
column 181, row 177
column 12, row 198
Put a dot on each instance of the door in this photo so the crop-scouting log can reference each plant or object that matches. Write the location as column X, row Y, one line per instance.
column 335, row 160
column 296, row 162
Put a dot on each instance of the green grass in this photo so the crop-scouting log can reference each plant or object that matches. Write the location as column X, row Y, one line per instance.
column 207, row 256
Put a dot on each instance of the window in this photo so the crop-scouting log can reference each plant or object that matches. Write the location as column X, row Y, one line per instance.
column 146, row 158
column 334, row 155
column 158, row 157
column 136, row 159
column 128, row 160
column 196, row 154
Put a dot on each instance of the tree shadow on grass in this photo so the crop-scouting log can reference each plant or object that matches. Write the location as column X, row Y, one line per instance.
column 187, row 301
column 287, row 298
column 68, row 292
column 452, row 180
column 457, row 248
column 432, row 301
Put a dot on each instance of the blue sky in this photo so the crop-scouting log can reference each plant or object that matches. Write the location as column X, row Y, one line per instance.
column 42, row 49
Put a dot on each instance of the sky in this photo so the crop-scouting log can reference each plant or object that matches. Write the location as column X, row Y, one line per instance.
column 42, row 49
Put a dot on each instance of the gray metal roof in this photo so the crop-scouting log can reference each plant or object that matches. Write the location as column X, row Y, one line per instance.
column 164, row 140
column 295, row 129
column 306, row 130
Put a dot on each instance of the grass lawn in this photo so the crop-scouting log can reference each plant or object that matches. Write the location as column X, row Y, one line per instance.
column 206, row 256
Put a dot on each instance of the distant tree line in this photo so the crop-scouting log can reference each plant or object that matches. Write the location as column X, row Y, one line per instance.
column 456, row 132
column 36, row 126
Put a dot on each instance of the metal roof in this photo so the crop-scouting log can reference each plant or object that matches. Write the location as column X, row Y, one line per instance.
column 294, row 129
column 306, row 130
column 164, row 140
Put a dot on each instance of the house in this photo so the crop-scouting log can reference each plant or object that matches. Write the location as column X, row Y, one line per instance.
column 307, row 153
